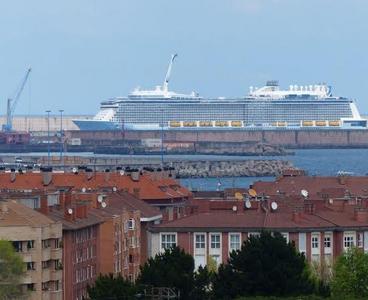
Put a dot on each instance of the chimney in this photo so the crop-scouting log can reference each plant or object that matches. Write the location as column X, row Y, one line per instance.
column 44, row 204
column 361, row 215
column 135, row 175
column 12, row 175
column 136, row 192
column 69, row 213
column 46, row 177
column 81, row 210
column 4, row 207
column 342, row 180
column 107, row 175
column 89, row 173
column 309, row 208
column 296, row 216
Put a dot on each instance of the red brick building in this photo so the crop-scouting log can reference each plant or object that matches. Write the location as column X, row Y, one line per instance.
column 104, row 226
column 331, row 217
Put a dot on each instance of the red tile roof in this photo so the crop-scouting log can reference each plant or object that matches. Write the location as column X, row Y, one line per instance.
column 146, row 188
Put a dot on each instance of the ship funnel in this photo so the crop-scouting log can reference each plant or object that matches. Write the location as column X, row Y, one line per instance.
column 168, row 73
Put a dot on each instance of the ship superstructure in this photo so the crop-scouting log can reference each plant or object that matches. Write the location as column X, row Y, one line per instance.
column 268, row 107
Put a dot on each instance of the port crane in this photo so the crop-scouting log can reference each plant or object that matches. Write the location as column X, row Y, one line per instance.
column 12, row 102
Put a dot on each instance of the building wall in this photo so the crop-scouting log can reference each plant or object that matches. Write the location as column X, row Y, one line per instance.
column 314, row 251
column 45, row 255
column 80, row 260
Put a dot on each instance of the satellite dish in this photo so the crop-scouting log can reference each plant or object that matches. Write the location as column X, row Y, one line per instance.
column 252, row 192
column 75, row 170
column 239, row 196
column 122, row 172
column 235, row 208
column 304, row 193
column 114, row 189
column 100, row 198
column 274, row 205
column 70, row 211
column 248, row 204
column 83, row 190
column 103, row 204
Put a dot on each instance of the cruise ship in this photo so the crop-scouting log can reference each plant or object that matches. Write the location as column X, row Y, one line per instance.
column 268, row 107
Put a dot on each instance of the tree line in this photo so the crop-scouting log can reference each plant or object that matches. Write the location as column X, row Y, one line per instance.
column 266, row 267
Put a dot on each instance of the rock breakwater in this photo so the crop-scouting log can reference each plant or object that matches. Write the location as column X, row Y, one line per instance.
column 243, row 168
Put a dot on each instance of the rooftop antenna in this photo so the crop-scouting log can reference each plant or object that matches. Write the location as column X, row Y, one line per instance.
column 168, row 73
column 304, row 193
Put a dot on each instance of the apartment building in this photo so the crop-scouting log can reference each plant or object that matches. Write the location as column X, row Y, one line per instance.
column 321, row 227
column 104, row 226
column 37, row 239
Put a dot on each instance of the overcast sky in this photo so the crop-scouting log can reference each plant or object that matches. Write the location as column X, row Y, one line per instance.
column 84, row 51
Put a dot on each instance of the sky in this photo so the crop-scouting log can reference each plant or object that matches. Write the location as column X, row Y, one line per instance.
column 85, row 51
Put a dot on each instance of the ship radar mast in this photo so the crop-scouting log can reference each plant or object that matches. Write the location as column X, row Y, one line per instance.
column 168, row 73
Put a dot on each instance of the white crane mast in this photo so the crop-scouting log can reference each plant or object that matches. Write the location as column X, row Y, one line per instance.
column 168, row 73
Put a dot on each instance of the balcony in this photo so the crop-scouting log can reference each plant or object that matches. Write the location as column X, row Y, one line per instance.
column 46, row 254
column 46, row 295
column 56, row 275
column 56, row 253
column 30, row 277
column 27, row 255
column 52, row 295
column 46, row 275
column 56, row 295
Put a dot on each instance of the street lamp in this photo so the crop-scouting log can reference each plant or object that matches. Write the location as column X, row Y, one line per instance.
column 162, row 138
column 48, row 137
column 61, row 137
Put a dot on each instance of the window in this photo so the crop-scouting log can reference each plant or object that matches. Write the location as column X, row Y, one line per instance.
column 234, row 241
column 45, row 264
column 349, row 240
column 31, row 287
column 285, row 235
column 360, row 240
column 131, row 224
column 327, row 241
column 168, row 240
column 30, row 266
column 215, row 241
column 18, row 246
column 315, row 242
column 30, row 245
column 200, row 241
column 46, row 244
column 45, row 286
column 57, row 243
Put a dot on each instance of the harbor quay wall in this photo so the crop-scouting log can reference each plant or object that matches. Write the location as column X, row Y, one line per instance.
column 301, row 138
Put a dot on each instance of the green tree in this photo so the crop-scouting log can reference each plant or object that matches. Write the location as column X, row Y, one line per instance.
column 350, row 275
column 202, row 285
column 11, row 270
column 108, row 287
column 265, row 265
column 174, row 268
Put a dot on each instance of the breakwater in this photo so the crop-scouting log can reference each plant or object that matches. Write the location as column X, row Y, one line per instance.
column 244, row 168
column 180, row 169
